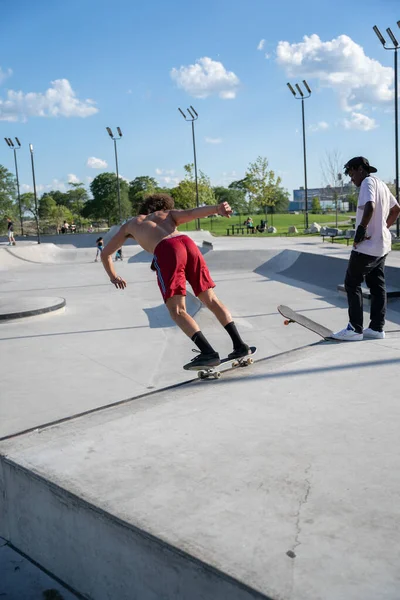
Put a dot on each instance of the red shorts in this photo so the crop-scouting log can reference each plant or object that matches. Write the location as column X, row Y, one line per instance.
column 177, row 259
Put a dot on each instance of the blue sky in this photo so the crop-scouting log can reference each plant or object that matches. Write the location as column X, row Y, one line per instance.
column 69, row 69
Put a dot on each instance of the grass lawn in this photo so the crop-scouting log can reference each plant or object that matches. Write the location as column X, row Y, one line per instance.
column 282, row 222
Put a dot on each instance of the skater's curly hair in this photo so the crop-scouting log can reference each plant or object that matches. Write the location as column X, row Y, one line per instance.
column 156, row 202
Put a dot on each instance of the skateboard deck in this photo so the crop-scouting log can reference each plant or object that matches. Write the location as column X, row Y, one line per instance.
column 291, row 316
column 215, row 372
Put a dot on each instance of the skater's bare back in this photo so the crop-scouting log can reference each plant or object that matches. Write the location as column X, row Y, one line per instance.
column 150, row 230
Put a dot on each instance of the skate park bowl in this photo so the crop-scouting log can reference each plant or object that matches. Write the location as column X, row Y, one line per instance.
column 126, row 477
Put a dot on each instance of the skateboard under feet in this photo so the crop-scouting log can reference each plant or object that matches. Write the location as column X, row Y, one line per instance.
column 214, row 372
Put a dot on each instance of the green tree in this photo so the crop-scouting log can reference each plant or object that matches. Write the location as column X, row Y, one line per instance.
column 77, row 197
column 281, row 200
column 236, row 198
column 185, row 192
column 261, row 184
column 59, row 214
column 139, row 188
column 315, row 206
column 28, row 203
column 352, row 199
column 7, row 195
column 105, row 199
column 46, row 205
column 58, row 197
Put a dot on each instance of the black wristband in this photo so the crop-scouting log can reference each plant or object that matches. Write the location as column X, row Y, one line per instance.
column 360, row 234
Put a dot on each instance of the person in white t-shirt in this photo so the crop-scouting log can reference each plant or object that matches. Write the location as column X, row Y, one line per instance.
column 377, row 210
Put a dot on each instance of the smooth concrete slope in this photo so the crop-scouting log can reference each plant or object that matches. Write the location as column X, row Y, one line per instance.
column 109, row 345
column 278, row 481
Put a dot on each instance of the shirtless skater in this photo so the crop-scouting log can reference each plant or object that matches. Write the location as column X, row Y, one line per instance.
column 176, row 258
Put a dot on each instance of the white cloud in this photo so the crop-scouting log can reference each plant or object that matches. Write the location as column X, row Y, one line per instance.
column 73, row 178
column 169, row 181
column 58, row 101
column 165, row 171
column 205, row 78
column 96, row 163
column 89, row 179
column 267, row 55
column 55, row 184
column 4, row 74
column 213, row 140
column 360, row 121
column 340, row 64
column 261, row 45
column 226, row 178
column 320, row 126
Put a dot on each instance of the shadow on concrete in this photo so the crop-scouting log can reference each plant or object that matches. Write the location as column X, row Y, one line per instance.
column 298, row 372
column 40, row 335
column 141, row 257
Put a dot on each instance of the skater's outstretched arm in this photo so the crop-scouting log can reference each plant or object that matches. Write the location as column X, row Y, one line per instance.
column 116, row 242
column 184, row 216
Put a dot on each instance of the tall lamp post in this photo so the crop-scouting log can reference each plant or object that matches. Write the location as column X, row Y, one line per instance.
column 34, row 193
column 396, row 104
column 110, row 133
column 303, row 97
column 193, row 117
column 14, row 147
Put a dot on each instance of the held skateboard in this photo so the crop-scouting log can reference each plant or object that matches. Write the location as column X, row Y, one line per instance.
column 244, row 361
column 291, row 316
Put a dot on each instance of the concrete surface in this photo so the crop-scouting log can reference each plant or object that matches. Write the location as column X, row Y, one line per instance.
column 277, row 481
column 22, row 580
column 20, row 307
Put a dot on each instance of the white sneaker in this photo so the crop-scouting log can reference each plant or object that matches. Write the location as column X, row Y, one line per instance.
column 348, row 335
column 372, row 334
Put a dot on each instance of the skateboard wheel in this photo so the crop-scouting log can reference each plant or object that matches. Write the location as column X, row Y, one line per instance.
column 200, row 375
column 217, row 375
column 286, row 322
column 250, row 361
column 235, row 363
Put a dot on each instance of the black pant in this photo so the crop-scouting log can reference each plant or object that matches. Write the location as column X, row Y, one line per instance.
column 373, row 269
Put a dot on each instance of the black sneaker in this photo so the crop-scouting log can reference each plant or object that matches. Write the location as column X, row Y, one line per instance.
column 243, row 350
column 203, row 361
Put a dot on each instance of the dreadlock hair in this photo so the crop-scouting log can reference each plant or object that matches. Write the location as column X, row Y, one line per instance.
column 156, row 202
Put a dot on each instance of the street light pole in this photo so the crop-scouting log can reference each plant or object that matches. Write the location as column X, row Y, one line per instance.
column 34, row 193
column 11, row 145
column 396, row 105
column 303, row 97
column 110, row 133
column 193, row 117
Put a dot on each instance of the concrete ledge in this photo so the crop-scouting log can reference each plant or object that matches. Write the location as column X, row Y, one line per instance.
column 99, row 554
column 17, row 308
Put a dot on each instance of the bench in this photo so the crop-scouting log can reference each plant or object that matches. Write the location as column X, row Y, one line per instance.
column 334, row 233
column 235, row 229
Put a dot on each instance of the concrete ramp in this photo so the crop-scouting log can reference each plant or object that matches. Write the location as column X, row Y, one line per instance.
column 273, row 482
column 52, row 254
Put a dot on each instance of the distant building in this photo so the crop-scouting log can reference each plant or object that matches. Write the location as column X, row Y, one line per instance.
column 326, row 196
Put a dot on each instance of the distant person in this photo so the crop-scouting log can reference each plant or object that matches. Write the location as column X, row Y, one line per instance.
column 100, row 248
column 249, row 223
column 10, row 232
column 262, row 226
column 65, row 227
column 118, row 255
column 176, row 258
column 377, row 210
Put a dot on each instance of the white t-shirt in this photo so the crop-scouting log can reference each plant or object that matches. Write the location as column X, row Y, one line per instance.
column 374, row 190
